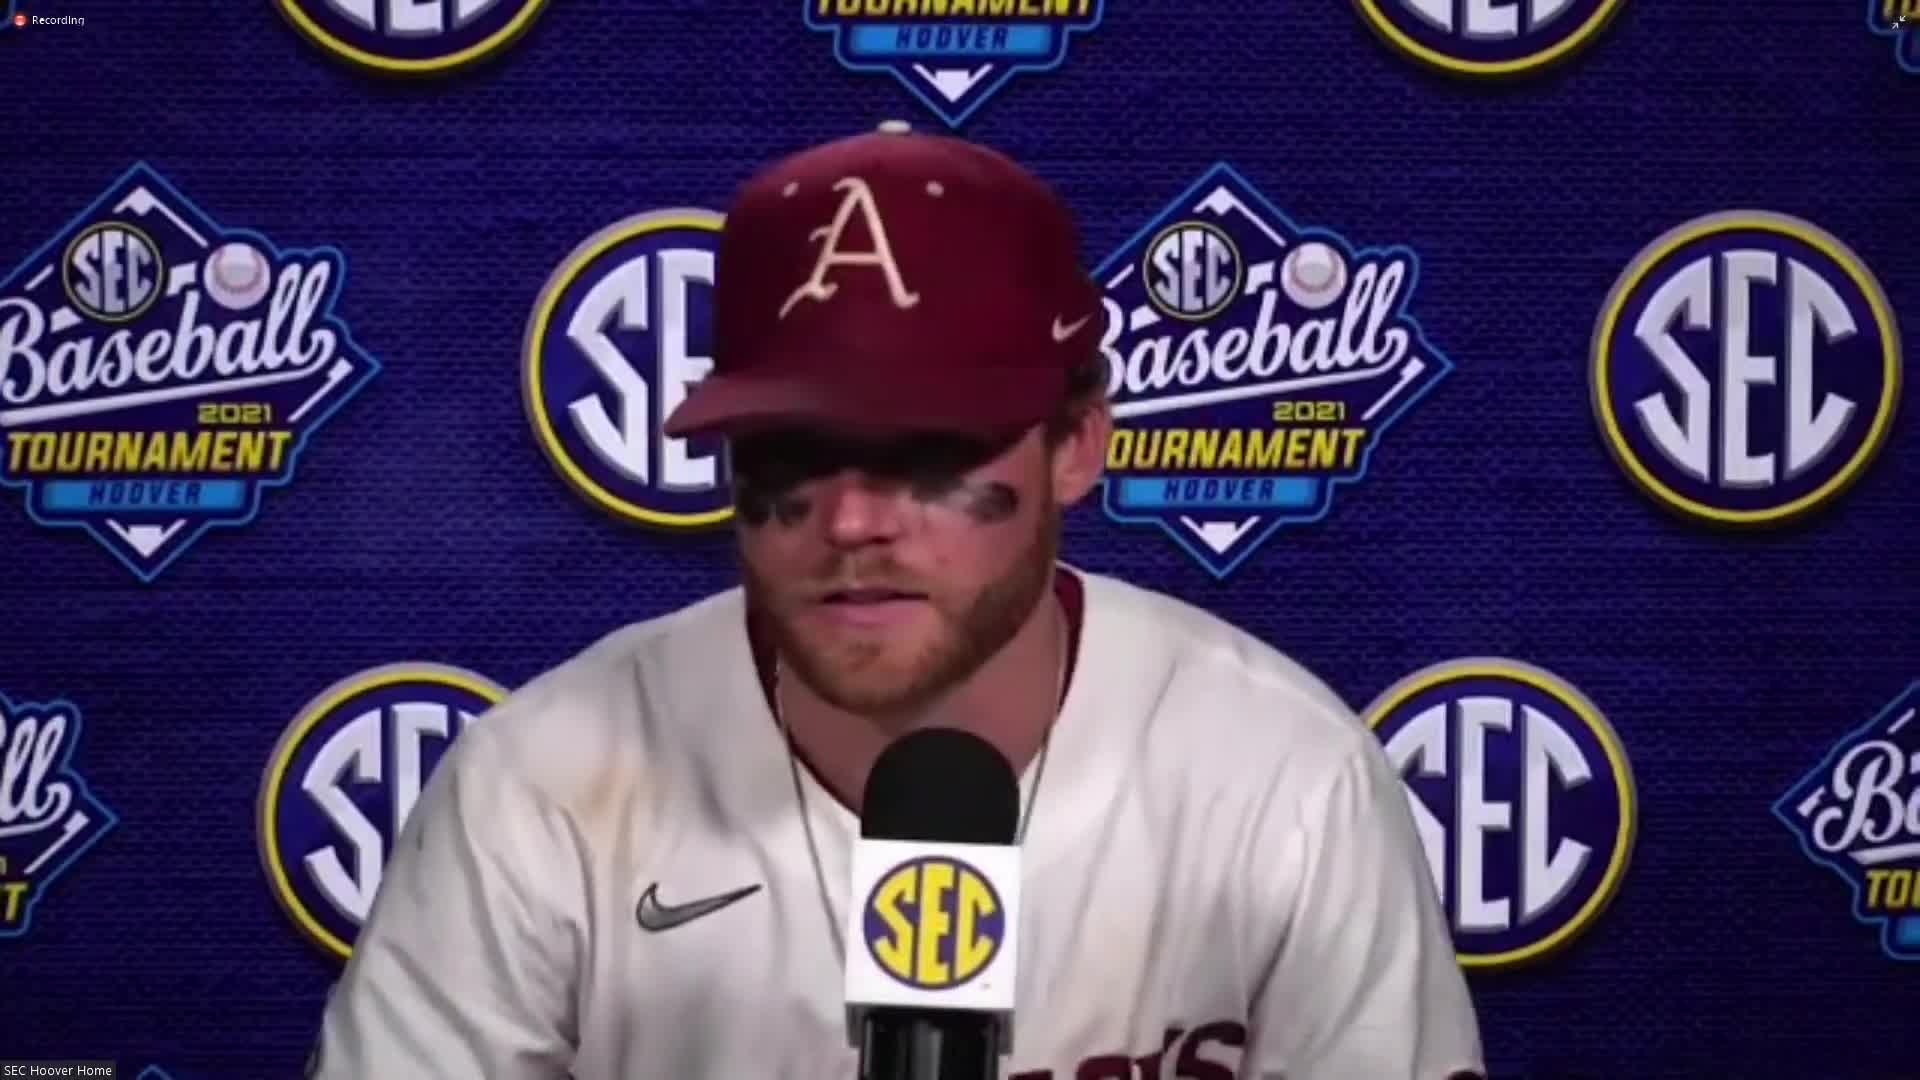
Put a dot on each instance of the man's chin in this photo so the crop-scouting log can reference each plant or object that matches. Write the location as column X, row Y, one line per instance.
column 873, row 685
column 875, row 702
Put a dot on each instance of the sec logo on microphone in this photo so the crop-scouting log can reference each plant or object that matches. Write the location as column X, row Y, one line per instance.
column 934, row 923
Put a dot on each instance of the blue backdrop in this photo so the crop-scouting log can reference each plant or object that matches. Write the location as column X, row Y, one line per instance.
column 425, row 522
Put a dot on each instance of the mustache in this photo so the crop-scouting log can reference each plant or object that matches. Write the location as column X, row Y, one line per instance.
column 844, row 575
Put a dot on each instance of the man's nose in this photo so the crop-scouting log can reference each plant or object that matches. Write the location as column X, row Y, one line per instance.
column 858, row 509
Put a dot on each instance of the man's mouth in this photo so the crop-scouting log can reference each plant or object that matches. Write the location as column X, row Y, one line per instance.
column 870, row 596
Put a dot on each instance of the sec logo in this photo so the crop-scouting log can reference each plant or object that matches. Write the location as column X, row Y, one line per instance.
column 618, row 336
column 1522, row 797
column 112, row 272
column 1193, row 271
column 339, row 786
column 1745, row 368
column 934, row 923
column 411, row 37
column 1487, row 38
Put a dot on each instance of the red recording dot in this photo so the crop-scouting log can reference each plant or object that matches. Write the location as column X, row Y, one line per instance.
column 20, row 19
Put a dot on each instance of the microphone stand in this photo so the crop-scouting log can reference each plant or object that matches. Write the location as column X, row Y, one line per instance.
column 928, row 1044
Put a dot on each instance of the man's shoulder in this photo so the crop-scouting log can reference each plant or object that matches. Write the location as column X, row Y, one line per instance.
column 605, row 702
column 1221, row 692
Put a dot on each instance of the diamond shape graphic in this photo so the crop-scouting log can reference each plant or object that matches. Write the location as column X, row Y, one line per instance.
column 1850, row 813
column 954, row 64
column 1241, row 412
column 210, row 385
column 1889, row 18
column 70, row 819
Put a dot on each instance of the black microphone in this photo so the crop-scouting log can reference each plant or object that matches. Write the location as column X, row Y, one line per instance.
column 931, row 955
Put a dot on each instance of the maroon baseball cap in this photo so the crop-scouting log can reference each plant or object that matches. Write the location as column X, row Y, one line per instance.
column 892, row 282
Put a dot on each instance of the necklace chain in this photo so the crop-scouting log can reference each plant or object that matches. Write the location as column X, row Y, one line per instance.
column 800, row 791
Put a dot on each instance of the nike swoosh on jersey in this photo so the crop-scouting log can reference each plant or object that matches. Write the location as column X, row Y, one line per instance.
column 655, row 916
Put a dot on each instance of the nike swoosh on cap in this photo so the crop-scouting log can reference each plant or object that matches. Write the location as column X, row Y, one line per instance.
column 1063, row 331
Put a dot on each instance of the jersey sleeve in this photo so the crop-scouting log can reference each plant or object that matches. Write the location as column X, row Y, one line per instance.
column 465, row 965
column 1364, row 981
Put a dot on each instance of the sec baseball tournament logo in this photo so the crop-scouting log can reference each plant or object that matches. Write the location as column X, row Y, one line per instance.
column 1253, row 366
column 952, row 54
column 1857, row 813
column 934, row 923
column 1489, row 39
column 411, row 37
column 1522, row 797
column 620, row 333
column 342, row 780
column 1745, row 368
column 1899, row 20
column 48, row 817
column 159, row 370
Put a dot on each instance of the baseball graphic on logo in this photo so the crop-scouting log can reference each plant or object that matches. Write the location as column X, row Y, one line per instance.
column 238, row 275
column 1313, row 275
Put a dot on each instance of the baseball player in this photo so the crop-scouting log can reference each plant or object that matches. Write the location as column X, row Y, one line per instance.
column 637, row 866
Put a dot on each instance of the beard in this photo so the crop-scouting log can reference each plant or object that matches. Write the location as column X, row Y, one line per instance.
column 877, row 677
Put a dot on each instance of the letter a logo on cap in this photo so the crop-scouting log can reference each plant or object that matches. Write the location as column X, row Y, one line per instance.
column 858, row 197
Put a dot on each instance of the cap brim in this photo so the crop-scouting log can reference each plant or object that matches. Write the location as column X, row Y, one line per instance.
column 975, row 401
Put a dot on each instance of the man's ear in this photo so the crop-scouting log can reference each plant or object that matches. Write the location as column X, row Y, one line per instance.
column 1081, row 456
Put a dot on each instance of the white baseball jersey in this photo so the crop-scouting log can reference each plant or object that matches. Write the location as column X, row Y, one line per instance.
column 1220, row 879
